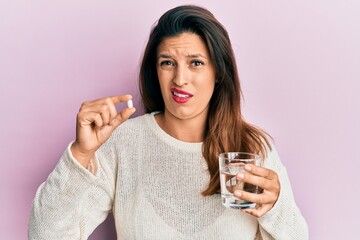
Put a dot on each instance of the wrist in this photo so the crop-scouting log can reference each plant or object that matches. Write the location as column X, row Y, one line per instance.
column 82, row 157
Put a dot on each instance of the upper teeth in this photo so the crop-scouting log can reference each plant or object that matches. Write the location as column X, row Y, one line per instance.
column 180, row 95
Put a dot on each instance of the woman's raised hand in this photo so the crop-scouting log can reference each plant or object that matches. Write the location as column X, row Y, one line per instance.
column 265, row 178
column 96, row 121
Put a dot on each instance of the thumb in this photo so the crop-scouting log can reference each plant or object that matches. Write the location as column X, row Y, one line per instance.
column 122, row 117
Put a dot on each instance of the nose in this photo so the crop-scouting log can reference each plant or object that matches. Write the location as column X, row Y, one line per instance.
column 181, row 75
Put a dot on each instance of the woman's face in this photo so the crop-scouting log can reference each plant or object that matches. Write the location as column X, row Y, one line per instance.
column 186, row 75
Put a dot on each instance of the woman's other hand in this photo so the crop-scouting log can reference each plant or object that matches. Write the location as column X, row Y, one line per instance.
column 266, row 179
column 96, row 121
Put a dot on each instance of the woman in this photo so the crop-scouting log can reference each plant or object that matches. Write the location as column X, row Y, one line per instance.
column 158, row 173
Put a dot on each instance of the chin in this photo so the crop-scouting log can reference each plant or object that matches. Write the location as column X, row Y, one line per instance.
column 182, row 115
column 187, row 115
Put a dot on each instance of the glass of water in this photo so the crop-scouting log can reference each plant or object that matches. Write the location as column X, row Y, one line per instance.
column 230, row 164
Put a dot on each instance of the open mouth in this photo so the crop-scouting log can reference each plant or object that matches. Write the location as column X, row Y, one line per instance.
column 180, row 96
column 179, row 93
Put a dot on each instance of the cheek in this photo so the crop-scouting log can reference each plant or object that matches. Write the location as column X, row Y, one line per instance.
column 163, row 83
column 163, row 76
column 160, row 77
column 204, row 94
column 207, row 85
column 209, row 91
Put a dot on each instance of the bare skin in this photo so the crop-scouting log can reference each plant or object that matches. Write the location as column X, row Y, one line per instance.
column 266, row 179
column 96, row 121
column 184, row 67
column 184, row 63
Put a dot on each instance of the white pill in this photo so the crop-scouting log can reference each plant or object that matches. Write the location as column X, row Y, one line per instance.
column 130, row 104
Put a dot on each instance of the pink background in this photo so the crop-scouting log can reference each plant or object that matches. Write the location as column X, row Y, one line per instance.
column 299, row 63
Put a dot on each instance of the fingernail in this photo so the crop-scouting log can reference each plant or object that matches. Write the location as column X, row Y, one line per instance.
column 241, row 175
column 237, row 193
column 248, row 168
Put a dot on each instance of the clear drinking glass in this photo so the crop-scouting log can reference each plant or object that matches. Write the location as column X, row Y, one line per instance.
column 230, row 164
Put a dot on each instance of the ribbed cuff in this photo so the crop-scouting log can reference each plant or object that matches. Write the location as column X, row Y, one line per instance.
column 91, row 171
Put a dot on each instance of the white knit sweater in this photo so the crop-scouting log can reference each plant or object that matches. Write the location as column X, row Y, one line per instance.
column 152, row 184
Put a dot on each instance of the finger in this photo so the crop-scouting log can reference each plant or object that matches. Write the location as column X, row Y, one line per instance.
column 257, row 181
column 113, row 99
column 106, row 106
column 258, row 212
column 105, row 116
column 98, row 120
column 122, row 116
column 118, row 99
column 255, row 197
column 112, row 110
column 98, row 107
column 88, row 118
column 260, row 171
column 104, row 112
column 102, row 109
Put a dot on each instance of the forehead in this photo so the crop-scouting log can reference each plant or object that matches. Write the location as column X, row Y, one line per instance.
column 183, row 43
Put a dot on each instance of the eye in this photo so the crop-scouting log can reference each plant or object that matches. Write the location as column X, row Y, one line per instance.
column 197, row 63
column 166, row 63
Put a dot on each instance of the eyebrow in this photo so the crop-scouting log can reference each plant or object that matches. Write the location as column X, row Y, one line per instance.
column 195, row 55
column 164, row 56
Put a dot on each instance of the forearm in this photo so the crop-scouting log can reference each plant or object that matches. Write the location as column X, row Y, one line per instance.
column 284, row 221
column 60, row 208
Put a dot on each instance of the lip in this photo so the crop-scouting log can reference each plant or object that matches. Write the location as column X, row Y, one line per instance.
column 180, row 99
column 180, row 91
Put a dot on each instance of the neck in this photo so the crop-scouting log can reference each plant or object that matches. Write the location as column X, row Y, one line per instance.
column 187, row 130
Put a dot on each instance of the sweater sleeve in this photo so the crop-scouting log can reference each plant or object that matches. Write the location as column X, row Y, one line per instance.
column 284, row 221
column 72, row 202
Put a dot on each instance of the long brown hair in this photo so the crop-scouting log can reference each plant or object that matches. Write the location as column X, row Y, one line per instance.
column 226, row 130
